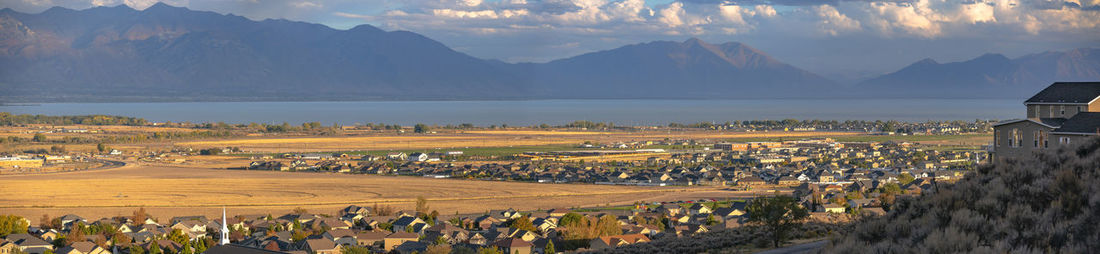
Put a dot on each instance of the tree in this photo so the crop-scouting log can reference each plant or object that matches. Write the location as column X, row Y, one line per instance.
column 154, row 248
column 778, row 215
column 489, row 250
column 523, row 223
column 44, row 222
column 200, row 246
column 905, row 178
column 135, row 249
column 421, row 205
column 186, row 249
column 11, row 224
column 420, row 128
column 570, row 219
column 178, row 236
column 550, row 247
column 139, row 217
column 608, row 225
column 39, row 137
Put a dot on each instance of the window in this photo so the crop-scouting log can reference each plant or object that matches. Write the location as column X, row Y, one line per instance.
column 997, row 137
column 1063, row 107
column 1063, row 140
column 1035, row 139
column 1014, row 141
column 1050, row 111
column 1079, row 109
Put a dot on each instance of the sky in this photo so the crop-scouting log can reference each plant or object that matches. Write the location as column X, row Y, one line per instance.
column 846, row 40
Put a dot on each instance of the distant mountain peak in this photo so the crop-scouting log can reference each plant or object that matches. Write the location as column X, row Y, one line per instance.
column 365, row 28
column 992, row 57
column 694, row 40
column 119, row 7
column 58, row 10
column 924, row 62
column 163, row 7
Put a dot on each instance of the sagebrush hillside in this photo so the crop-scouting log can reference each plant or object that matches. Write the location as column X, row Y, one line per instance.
column 1046, row 204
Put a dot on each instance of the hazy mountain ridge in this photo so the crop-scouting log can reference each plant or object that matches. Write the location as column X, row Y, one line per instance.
column 987, row 76
column 689, row 69
column 173, row 53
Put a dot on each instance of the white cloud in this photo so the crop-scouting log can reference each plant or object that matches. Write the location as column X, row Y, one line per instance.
column 833, row 22
column 306, row 5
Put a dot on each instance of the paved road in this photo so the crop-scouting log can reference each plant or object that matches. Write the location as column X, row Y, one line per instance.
column 801, row 248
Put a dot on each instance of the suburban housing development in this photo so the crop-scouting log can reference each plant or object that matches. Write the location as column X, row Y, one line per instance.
column 1064, row 113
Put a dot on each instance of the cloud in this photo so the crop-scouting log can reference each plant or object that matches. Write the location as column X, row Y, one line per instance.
column 306, row 5
column 833, row 22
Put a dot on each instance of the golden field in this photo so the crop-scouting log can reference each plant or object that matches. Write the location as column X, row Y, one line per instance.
column 175, row 191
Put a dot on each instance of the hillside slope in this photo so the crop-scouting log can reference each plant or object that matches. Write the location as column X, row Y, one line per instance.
column 1046, row 204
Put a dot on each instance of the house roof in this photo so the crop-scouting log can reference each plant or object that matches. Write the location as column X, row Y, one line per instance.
column 27, row 240
column 370, row 235
column 1084, row 122
column 236, row 249
column 85, row 247
column 403, row 235
column 320, row 244
column 512, row 242
column 631, row 239
column 1047, row 122
column 1067, row 92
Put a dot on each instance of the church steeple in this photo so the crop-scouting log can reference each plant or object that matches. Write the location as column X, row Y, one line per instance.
column 225, row 230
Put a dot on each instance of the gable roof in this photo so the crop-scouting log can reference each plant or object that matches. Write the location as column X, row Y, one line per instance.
column 512, row 243
column 1045, row 122
column 1084, row 123
column 403, row 235
column 236, row 249
column 629, row 239
column 1067, row 92
column 320, row 244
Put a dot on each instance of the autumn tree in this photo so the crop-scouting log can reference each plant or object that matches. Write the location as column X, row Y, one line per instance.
column 11, row 224
column 421, row 205
column 608, row 225
column 778, row 215
column 139, row 217
column 44, row 222
column 523, row 223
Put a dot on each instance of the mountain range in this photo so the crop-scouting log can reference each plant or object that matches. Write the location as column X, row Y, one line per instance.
column 166, row 53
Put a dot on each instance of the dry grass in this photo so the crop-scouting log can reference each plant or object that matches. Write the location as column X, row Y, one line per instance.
column 174, row 191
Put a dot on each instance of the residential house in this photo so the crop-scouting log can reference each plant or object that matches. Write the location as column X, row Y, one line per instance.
column 82, row 248
column 513, row 245
column 393, row 240
column 321, row 246
column 1063, row 113
column 605, row 242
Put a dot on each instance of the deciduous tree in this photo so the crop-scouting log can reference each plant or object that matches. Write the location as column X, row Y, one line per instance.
column 778, row 215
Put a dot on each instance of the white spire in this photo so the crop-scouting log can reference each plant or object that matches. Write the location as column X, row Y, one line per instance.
column 225, row 230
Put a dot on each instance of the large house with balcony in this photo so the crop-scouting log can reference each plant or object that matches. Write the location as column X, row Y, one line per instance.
column 1063, row 113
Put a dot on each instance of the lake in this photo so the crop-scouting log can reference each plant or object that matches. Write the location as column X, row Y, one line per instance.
column 531, row 112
